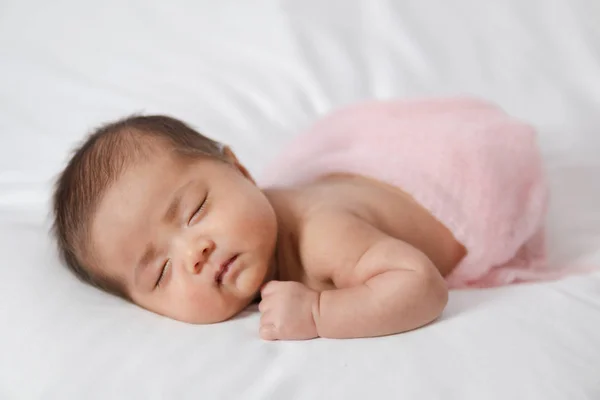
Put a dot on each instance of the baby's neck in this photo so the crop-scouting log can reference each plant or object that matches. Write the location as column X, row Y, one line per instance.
column 286, row 261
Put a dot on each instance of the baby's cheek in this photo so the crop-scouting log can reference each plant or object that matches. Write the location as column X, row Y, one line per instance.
column 256, row 219
column 193, row 305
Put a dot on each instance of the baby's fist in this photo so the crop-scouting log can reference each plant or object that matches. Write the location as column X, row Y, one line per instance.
column 287, row 311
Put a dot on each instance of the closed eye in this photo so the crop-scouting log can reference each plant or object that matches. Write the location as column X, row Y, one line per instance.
column 166, row 265
column 198, row 210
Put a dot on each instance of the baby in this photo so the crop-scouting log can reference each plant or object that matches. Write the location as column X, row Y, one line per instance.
column 352, row 235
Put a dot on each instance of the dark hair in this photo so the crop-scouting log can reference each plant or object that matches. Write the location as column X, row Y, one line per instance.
column 95, row 165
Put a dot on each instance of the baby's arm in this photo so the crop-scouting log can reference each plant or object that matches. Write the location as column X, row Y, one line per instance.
column 393, row 288
column 385, row 285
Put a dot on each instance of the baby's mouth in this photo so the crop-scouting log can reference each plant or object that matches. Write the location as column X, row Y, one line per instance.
column 223, row 269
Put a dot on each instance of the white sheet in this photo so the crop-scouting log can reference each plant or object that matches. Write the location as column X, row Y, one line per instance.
column 252, row 74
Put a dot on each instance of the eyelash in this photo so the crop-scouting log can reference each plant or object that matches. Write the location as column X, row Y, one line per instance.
column 168, row 262
column 198, row 210
column 163, row 272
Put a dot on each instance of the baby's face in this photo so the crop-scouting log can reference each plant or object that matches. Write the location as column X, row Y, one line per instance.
column 191, row 240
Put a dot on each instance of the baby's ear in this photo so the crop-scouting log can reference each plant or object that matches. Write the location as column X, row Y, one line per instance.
column 232, row 159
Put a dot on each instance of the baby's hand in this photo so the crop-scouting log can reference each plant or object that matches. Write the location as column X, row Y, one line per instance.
column 287, row 311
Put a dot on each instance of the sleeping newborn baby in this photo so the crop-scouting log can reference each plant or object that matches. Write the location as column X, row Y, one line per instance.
column 358, row 229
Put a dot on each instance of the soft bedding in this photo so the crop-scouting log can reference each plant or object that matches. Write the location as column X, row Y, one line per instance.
column 253, row 75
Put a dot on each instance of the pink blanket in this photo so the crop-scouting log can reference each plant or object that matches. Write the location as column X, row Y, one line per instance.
column 476, row 169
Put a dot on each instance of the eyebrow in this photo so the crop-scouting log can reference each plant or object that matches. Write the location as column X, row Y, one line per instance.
column 168, row 217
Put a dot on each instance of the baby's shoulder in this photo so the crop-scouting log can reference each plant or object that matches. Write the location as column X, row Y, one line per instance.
column 332, row 239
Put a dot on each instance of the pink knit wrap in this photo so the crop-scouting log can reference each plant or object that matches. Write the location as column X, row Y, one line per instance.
column 476, row 169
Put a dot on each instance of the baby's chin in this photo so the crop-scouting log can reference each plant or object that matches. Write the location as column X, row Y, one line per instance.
column 247, row 292
column 243, row 292
column 249, row 282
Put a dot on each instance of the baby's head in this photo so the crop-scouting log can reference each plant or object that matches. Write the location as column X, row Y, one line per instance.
column 150, row 210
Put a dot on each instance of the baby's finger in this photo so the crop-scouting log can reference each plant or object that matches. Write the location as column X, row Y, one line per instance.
column 266, row 319
column 267, row 332
column 268, row 288
column 263, row 306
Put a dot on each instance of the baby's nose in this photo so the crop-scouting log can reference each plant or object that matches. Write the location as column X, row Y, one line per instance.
column 197, row 254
